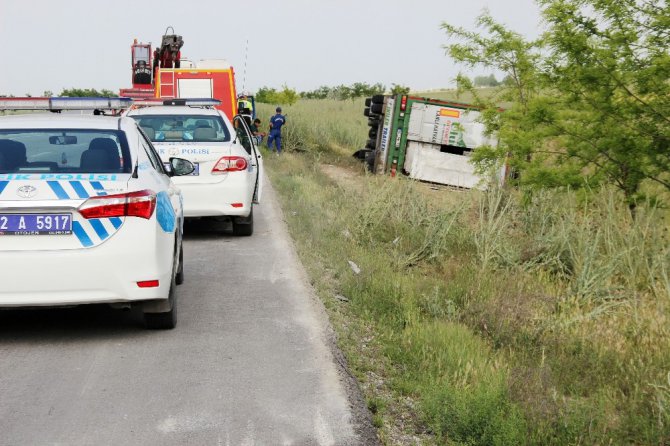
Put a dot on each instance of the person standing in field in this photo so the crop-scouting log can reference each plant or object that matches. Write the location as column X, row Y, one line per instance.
column 276, row 123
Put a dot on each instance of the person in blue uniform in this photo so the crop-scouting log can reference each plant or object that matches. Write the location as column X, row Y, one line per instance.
column 276, row 123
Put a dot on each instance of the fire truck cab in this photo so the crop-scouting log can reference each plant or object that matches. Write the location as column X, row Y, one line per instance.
column 141, row 59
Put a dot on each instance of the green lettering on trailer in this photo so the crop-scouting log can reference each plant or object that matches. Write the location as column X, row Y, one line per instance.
column 403, row 126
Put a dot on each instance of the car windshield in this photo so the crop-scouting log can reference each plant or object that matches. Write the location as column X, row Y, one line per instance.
column 193, row 128
column 63, row 151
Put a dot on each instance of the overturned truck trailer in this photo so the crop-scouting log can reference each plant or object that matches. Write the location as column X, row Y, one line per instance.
column 426, row 139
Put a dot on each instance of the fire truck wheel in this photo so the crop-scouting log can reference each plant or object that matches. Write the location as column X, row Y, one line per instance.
column 368, row 101
column 376, row 108
column 366, row 112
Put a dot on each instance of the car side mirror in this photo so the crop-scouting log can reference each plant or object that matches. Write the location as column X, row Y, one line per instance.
column 180, row 167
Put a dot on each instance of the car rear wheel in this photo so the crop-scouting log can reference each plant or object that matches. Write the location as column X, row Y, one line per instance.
column 165, row 320
column 244, row 226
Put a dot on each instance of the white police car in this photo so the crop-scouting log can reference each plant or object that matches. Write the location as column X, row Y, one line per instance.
column 227, row 179
column 88, row 213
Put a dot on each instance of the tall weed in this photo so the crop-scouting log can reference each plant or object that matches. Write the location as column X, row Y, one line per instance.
column 494, row 222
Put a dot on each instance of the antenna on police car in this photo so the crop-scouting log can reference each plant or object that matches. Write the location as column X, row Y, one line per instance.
column 244, row 74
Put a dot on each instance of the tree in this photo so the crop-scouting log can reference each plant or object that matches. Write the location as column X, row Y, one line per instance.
column 320, row 93
column 288, row 95
column 610, row 62
column 486, row 81
column 399, row 89
column 589, row 101
column 266, row 95
column 87, row 92
column 272, row 96
column 343, row 92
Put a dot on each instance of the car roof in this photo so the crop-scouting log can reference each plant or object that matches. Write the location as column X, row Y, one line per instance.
column 62, row 121
column 173, row 110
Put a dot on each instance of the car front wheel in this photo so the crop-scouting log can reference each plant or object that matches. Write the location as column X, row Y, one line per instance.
column 179, row 278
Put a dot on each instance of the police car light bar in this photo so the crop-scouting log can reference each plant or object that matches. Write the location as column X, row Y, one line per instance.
column 193, row 102
column 56, row 104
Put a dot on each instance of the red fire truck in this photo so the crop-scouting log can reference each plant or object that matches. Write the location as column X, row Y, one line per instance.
column 164, row 74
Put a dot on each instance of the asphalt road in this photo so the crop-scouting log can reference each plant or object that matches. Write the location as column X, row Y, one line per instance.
column 251, row 361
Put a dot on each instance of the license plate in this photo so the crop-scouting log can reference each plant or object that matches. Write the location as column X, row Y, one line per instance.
column 195, row 172
column 35, row 224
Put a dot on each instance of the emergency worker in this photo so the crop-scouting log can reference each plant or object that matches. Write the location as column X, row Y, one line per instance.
column 244, row 104
column 255, row 130
column 276, row 123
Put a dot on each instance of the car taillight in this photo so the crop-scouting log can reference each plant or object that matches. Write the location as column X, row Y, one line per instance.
column 230, row 164
column 148, row 283
column 133, row 204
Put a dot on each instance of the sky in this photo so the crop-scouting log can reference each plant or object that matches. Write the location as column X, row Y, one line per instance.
column 51, row 45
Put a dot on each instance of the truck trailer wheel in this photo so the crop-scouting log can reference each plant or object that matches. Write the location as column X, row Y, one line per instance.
column 370, row 161
column 376, row 108
column 378, row 99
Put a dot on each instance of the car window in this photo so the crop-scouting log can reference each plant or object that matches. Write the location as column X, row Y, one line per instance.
column 64, row 151
column 243, row 133
column 194, row 128
column 151, row 154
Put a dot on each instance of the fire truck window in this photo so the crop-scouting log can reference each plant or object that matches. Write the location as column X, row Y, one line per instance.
column 141, row 53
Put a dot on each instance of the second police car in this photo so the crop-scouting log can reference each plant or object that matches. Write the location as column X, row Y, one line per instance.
column 227, row 179
column 88, row 212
